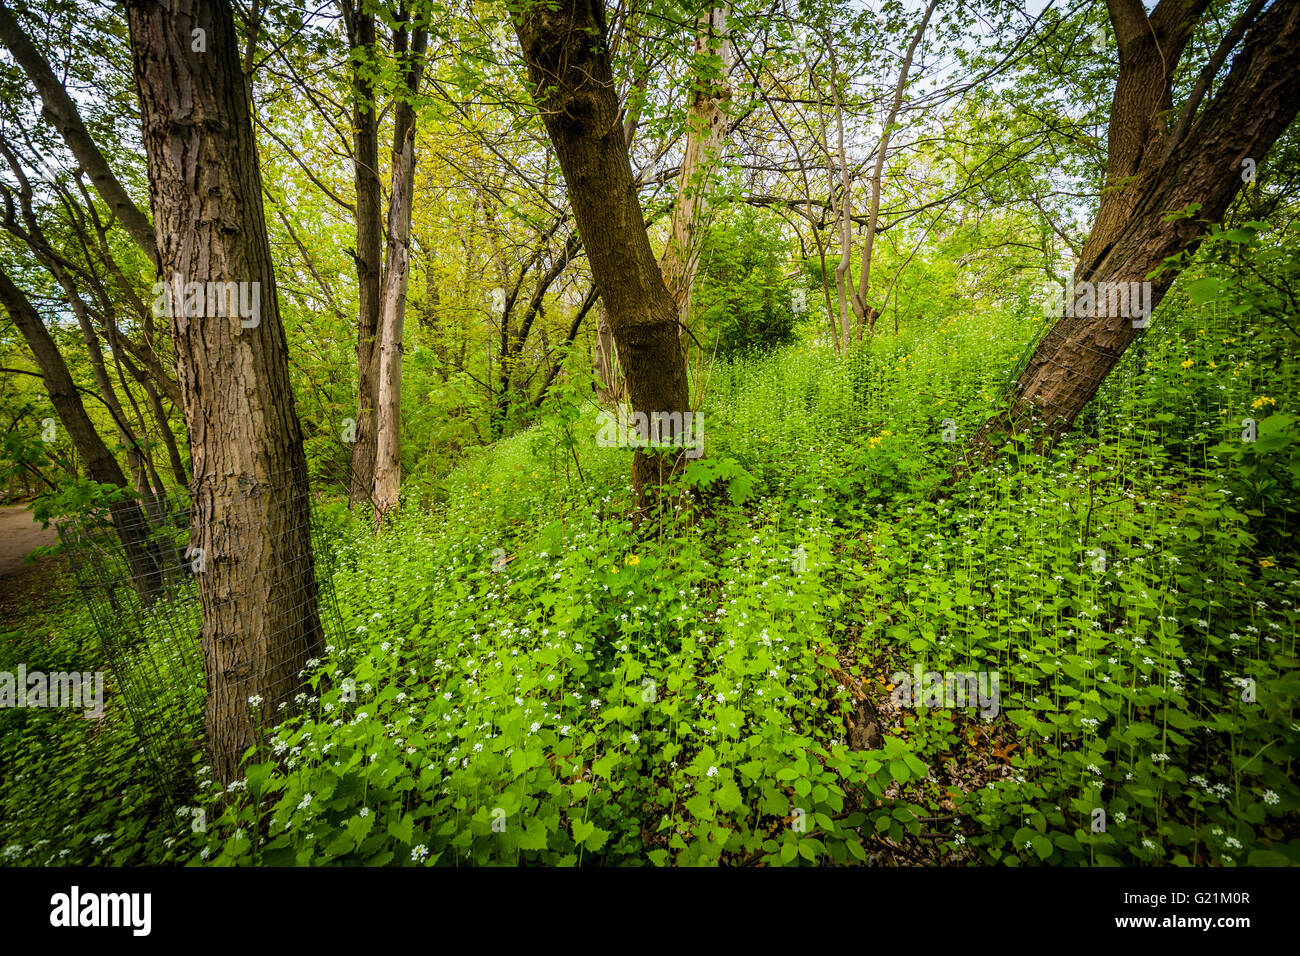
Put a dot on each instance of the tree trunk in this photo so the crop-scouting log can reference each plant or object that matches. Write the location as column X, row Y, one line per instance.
column 839, row 166
column 392, row 306
column 513, row 344
column 612, row 390
column 1148, row 175
column 705, row 130
column 250, row 495
column 369, row 227
column 564, row 46
column 867, row 314
column 62, row 113
column 128, row 519
column 159, row 416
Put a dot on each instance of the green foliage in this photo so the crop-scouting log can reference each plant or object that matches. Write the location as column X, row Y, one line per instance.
column 541, row 679
column 743, row 300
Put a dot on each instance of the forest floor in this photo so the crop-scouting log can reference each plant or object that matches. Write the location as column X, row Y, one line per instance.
column 696, row 693
column 20, row 535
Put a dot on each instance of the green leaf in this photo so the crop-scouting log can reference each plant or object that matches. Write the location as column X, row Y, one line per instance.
column 534, row 836
column 1042, row 846
column 1267, row 858
column 728, row 796
column 402, row 829
column 1203, row 291
column 596, row 839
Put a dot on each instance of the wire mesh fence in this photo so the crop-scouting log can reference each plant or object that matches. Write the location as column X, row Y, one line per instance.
column 206, row 633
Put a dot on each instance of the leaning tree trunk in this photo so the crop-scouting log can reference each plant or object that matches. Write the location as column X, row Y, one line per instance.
column 564, row 46
column 250, row 495
column 1149, row 175
column 369, row 264
column 128, row 519
column 58, row 107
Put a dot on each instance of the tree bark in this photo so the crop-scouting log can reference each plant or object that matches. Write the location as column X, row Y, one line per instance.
column 564, row 47
column 1146, row 179
column 603, row 359
column 369, row 228
column 249, row 488
column 392, row 305
column 705, row 131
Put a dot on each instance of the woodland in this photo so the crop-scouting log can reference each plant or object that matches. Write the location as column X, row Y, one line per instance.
column 649, row 433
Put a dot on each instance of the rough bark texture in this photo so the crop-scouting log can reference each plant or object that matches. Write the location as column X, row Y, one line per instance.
column 249, row 486
column 565, row 49
column 365, row 144
column 388, row 439
column 392, row 302
column 63, row 115
column 1147, row 179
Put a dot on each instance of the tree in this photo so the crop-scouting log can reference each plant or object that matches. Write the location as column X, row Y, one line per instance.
column 62, row 113
column 360, row 24
column 128, row 520
column 409, row 46
column 1151, row 173
column 249, row 487
column 705, row 131
column 565, row 49
column 868, row 314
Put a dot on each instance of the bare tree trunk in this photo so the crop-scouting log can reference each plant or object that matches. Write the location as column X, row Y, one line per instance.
column 705, row 131
column 1148, row 176
column 130, row 442
column 564, row 46
column 392, row 304
column 513, row 345
column 605, row 359
column 369, row 228
column 250, row 494
column 388, row 442
column 34, row 237
column 844, row 209
column 866, row 314
column 164, row 426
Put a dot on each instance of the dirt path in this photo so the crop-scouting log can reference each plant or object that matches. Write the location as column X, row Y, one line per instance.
column 19, row 535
